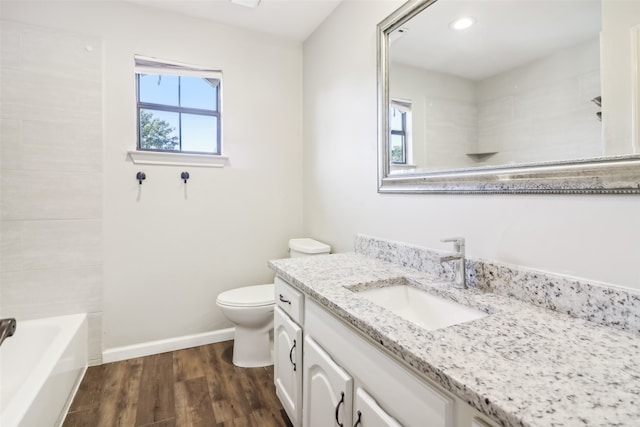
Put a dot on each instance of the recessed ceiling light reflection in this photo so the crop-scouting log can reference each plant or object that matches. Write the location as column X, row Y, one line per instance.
column 462, row 23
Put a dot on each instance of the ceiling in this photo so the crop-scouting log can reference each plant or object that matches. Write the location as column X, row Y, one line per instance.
column 292, row 19
column 506, row 34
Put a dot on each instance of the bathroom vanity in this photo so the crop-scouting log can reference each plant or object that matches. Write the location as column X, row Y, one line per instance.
column 342, row 359
column 342, row 377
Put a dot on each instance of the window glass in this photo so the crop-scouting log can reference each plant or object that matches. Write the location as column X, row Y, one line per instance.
column 196, row 92
column 397, row 148
column 198, row 133
column 397, row 119
column 399, row 132
column 159, row 89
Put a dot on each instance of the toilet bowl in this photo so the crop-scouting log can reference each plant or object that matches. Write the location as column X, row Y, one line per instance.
column 250, row 308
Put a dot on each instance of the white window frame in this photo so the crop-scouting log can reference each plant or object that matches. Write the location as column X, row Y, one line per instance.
column 405, row 106
column 150, row 65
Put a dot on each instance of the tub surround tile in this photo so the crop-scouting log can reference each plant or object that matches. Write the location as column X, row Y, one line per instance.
column 10, row 149
column 10, row 43
column 598, row 302
column 60, row 53
column 31, row 294
column 11, row 246
column 31, row 195
column 94, row 333
column 78, row 148
column 25, row 87
column 61, row 244
column 522, row 365
column 51, row 175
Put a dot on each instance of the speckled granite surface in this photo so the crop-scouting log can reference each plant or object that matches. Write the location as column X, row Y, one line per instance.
column 597, row 302
column 522, row 365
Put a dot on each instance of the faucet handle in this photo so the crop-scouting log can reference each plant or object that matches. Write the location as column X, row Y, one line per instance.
column 458, row 243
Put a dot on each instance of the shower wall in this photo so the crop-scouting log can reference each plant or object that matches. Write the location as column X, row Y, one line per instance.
column 51, row 176
column 541, row 111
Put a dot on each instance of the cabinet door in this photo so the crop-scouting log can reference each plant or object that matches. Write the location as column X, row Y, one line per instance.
column 287, row 365
column 328, row 390
column 367, row 412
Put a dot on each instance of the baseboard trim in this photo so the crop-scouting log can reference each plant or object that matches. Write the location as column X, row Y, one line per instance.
column 161, row 346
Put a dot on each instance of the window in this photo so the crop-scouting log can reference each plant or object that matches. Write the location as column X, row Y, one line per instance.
column 178, row 107
column 400, row 121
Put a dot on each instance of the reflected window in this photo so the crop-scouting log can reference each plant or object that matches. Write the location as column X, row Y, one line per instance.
column 178, row 107
column 399, row 124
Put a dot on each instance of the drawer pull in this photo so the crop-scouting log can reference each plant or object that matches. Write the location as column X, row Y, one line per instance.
column 291, row 354
column 358, row 421
column 284, row 300
column 338, row 408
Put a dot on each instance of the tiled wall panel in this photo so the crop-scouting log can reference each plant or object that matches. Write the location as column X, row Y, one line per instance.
column 51, row 176
column 44, row 195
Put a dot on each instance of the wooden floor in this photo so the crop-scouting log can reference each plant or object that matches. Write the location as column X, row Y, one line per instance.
column 193, row 387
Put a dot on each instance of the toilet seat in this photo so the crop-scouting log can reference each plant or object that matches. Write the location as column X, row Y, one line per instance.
column 248, row 296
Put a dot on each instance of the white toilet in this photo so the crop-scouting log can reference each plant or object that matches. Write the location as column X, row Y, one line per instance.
column 250, row 308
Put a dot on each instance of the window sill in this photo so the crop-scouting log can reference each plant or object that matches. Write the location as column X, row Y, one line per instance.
column 177, row 159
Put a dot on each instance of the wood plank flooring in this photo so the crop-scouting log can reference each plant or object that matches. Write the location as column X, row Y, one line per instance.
column 187, row 388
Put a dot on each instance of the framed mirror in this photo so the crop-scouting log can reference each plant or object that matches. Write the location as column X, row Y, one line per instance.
column 509, row 96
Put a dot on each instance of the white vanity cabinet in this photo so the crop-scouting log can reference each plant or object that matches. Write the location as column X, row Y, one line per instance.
column 327, row 389
column 287, row 364
column 389, row 395
column 287, row 337
column 329, row 398
column 328, row 374
column 367, row 412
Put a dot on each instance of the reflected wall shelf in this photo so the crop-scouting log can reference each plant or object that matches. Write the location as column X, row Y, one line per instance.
column 480, row 157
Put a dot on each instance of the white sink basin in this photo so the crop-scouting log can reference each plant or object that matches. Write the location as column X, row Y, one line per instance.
column 420, row 307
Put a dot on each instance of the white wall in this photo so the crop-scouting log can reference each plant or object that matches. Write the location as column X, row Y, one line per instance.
column 168, row 254
column 594, row 237
column 618, row 59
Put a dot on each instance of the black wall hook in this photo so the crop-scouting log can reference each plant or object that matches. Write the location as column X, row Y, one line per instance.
column 185, row 176
column 140, row 176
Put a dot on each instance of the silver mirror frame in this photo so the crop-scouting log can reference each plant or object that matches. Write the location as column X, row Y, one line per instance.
column 607, row 175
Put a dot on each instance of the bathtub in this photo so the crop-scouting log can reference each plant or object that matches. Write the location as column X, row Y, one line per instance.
column 41, row 367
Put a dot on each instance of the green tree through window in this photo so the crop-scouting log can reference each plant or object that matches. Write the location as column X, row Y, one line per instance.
column 155, row 133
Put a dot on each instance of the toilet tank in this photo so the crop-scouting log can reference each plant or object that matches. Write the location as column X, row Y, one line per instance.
column 307, row 247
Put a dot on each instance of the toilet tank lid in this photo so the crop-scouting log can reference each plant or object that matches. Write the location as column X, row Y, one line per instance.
column 309, row 246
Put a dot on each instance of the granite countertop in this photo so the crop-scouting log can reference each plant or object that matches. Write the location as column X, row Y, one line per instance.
column 521, row 365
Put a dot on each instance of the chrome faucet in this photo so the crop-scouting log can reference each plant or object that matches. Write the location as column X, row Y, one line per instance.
column 7, row 328
column 458, row 257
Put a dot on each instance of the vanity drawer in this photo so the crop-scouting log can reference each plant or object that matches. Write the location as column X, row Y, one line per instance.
column 290, row 300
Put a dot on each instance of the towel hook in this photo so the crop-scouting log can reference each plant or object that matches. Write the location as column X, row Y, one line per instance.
column 140, row 176
column 185, row 176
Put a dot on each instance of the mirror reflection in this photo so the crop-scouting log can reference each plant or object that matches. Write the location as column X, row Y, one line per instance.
column 489, row 83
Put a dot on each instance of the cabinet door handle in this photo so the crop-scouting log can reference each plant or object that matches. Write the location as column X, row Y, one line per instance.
column 338, row 408
column 291, row 355
column 358, row 421
column 284, row 300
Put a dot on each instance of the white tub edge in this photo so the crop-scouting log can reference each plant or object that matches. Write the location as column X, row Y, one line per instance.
column 67, row 406
column 43, row 385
